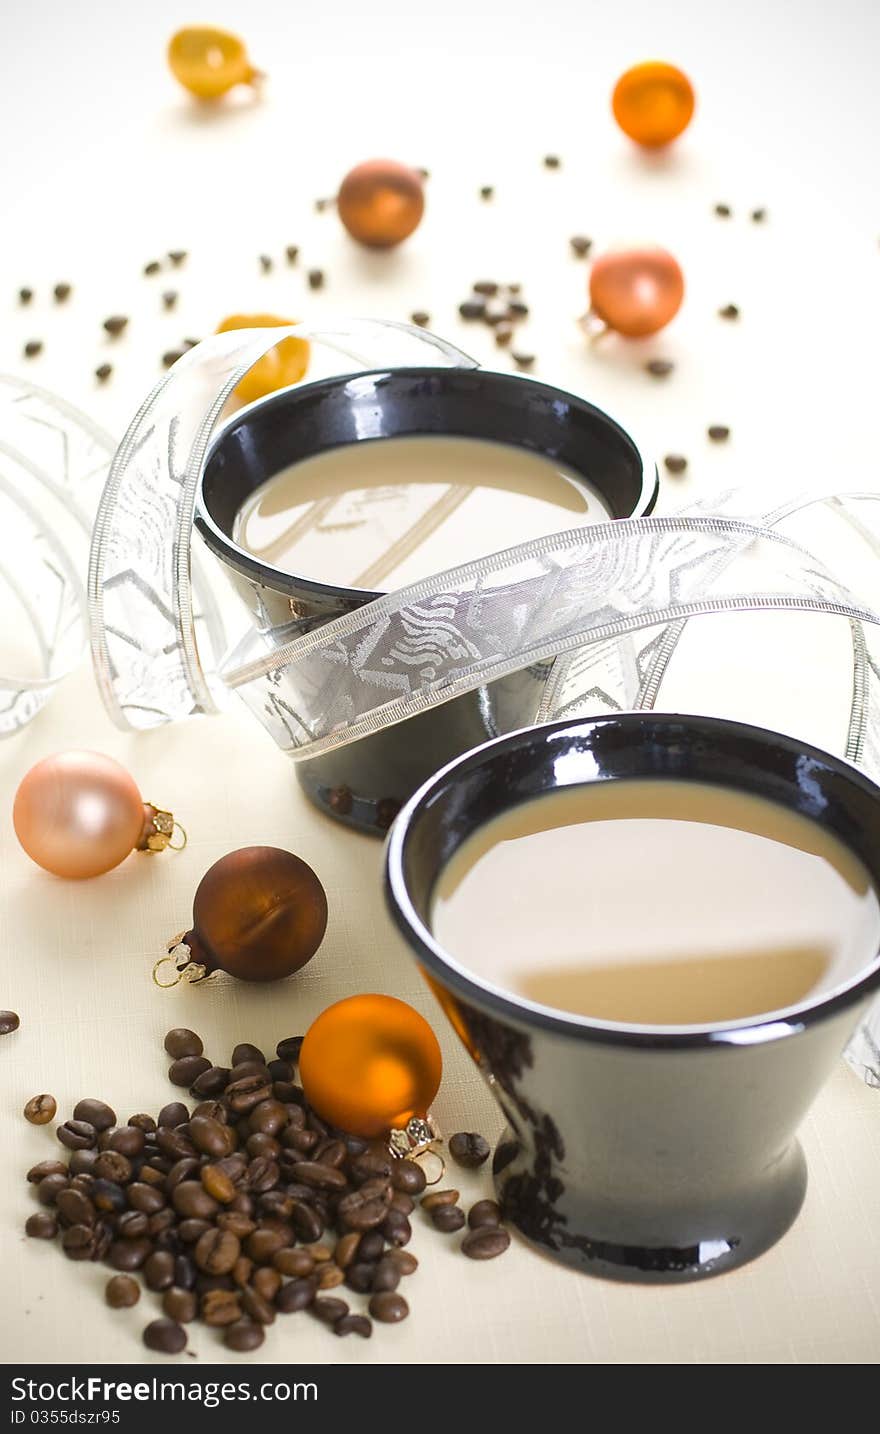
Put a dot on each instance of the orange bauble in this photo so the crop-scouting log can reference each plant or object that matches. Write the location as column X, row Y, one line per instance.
column 636, row 291
column 653, row 103
column 368, row 1064
column 381, row 202
column 280, row 367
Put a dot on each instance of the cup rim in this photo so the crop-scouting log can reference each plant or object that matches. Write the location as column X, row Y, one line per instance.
column 224, row 546
column 748, row 1031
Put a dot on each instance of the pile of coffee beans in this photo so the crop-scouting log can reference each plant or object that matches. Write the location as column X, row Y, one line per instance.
column 501, row 307
column 246, row 1206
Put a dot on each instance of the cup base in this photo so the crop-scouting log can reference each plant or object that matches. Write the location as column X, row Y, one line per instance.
column 710, row 1244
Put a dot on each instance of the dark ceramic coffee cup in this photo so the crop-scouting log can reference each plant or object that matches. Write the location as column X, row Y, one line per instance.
column 365, row 784
column 639, row 1153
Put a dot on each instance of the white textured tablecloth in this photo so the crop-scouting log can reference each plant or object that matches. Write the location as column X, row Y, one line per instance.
column 105, row 168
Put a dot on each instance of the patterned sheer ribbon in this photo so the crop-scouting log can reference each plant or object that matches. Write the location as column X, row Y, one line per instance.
column 602, row 608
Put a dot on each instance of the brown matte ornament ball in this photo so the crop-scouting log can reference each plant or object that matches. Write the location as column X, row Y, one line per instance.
column 259, row 914
column 381, row 202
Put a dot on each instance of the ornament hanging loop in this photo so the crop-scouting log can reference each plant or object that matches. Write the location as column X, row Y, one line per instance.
column 185, row 969
column 416, row 1142
column 159, row 829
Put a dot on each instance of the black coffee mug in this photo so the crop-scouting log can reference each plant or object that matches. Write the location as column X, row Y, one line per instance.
column 365, row 784
column 639, row 1153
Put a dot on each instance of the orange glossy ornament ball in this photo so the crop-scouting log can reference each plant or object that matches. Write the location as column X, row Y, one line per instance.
column 370, row 1063
column 208, row 61
column 381, row 202
column 653, row 103
column 636, row 291
column 259, row 913
column 282, row 366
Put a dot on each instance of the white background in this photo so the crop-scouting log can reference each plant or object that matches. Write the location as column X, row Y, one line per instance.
column 106, row 165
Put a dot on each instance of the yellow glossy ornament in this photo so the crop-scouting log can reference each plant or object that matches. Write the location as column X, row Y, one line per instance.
column 287, row 363
column 368, row 1064
column 208, row 62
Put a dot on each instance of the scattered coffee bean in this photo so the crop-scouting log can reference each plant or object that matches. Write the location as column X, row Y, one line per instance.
column 43, row 1168
column 173, row 1115
column 33, row 347
column 723, row 211
column 524, row 361
column 322, row 204
column 353, row 1324
column 25, row 296
column 243, row 1336
column 659, row 368
column 407, row 1176
column 487, row 287
column 177, row 257
column 405, row 1261
column 40, row 1109
column 329, row 1276
column 220, row 1307
column 116, row 325
column 169, row 359
column 421, row 319
column 187, row 1069
column 487, row 191
column 266, row 263
column 759, row 215
column 730, row 311
column 675, row 463
column 41, row 1225
column 718, row 432
column 49, row 1187
column 121, row 1292
column 292, row 253
column 165, row 1336
column 388, row 1307
column 504, row 334
column 103, row 372
column 447, row 1218
column 580, row 245
column 75, row 1208
column 469, row 1149
column 297, row 1294
column 61, row 292
column 152, row 268
column 169, row 299
column 316, row 278
column 485, row 1243
column 180, row 1305
column 552, row 161
column 484, row 1213
column 96, row 1113
column 387, row 1275
column 77, row 1135
column 439, row 1197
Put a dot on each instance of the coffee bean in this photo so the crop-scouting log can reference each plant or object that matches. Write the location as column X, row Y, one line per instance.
column 268, row 1117
column 263, row 1244
column 209, row 1136
column 193, row 1201
column 187, row 1070
column 169, row 299
column 723, row 211
column 40, row 1109
column 41, row 1225
column 152, row 268
column 487, row 191
column 83, row 1161
column 78, row 1242
column 77, row 1135
column 266, row 263
column 289, row 1048
column 329, row 1276
column 372, row 1245
column 523, row 361
column 504, row 334
column 730, row 311
column 359, row 1277
column 24, row 298
column 293, row 1262
column 387, row 1275
column 328, row 1309
column 121, row 1292
column 397, row 1229
column 485, row 1243
column 188, row 1168
column 113, row 1166
column 407, row 1176
column 75, row 1208
column 659, row 368
column 49, row 1187
column 236, row 1222
column 191, row 1230
column 316, row 278
column 405, row 1204
column 484, row 1213
column 43, row 1168
column 346, row 1249
column 129, row 1141
column 32, row 349
column 266, row 1145
column 353, row 1324
column 758, row 216
column 472, row 309
column 132, row 1225
column 404, row 1260
column 675, row 463
column 116, row 325
column 220, row 1307
column 165, row 1336
column 266, row 1281
column 244, row 1094
column 469, row 1149
column 257, row 1306
column 218, row 1184
column 142, row 1196
column 244, row 1051
column 180, row 1305
column 103, row 372
column 217, row 1252
column 170, row 1116
column 718, row 432
column 159, row 1270
column 552, row 161
column 211, row 1082
column 372, row 1165
column 291, row 253
column 177, row 257
column 439, row 1197
column 420, row 318
column 129, row 1254
column 388, row 1307
column 321, row 1177
column 447, row 1218
column 296, row 1295
column 580, row 245
column 242, row 1270
column 360, row 1212
column 243, row 1336
column 96, row 1113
